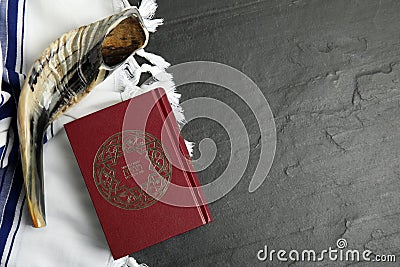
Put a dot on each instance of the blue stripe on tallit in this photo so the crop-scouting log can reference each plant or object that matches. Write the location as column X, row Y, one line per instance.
column 11, row 182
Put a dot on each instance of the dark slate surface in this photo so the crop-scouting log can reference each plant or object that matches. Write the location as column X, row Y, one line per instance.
column 330, row 71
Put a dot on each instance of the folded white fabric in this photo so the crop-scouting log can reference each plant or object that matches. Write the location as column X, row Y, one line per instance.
column 5, row 122
column 73, row 236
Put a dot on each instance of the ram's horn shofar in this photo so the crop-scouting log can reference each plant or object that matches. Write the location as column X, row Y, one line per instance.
column 66, row 71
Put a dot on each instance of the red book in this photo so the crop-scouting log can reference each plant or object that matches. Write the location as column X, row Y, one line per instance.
column 138, row 173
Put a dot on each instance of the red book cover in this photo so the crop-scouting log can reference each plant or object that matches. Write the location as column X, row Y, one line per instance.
column 136, row 168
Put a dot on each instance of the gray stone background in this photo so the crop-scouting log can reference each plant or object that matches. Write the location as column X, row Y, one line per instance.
column 330, row 71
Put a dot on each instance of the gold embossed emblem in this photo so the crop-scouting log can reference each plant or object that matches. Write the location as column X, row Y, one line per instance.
column 115, row 178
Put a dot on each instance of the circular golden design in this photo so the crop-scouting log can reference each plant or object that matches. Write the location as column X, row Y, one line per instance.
column 116, row 179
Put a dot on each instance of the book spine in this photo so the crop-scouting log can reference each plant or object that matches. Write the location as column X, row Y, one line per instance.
column 172, row 129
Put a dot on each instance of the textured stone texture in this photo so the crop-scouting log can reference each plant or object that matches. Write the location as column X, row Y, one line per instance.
column 330, row 71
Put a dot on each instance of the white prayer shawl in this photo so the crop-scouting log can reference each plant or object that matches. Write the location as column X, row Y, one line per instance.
column 73, row 236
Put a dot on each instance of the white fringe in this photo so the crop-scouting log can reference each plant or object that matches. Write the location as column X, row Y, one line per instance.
column 152, row 25
column 190, row 146
column 153, row 59
column 127, row 262
column 148, row 8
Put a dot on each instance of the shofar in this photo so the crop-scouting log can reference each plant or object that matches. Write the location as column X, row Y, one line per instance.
column 66, row 71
